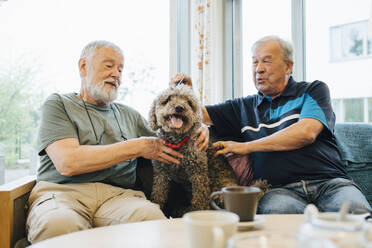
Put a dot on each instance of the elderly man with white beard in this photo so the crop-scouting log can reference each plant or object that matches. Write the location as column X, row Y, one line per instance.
column 88, row 147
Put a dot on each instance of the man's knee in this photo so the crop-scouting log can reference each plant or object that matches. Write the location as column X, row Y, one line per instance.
column 55, row 223
column 338, row 191
column 147, row 211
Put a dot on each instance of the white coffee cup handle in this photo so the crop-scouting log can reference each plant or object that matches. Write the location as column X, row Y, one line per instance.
column 218, row 237
column 214, row 205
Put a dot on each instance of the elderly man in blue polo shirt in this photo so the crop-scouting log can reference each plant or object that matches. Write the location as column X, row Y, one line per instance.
column 287, row 129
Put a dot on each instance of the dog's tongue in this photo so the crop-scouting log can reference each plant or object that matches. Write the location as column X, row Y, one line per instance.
column 176, row 122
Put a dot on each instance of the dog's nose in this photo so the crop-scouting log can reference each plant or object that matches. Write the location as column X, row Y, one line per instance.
column 179, row 109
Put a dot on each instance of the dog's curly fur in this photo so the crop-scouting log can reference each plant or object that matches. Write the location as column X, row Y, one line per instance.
column 199, row 172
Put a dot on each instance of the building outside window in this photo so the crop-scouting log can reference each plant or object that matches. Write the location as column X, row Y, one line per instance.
column 350, row 41
column 40, row 46
column 338, row 52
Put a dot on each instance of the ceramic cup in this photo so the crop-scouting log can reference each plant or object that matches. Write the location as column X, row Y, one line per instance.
column 242, row 200
column 210, row 229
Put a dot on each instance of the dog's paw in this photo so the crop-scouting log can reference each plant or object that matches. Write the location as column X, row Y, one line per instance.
column 179, row 212
column 262, row 184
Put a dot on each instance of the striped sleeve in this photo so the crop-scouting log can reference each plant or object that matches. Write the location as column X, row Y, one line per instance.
column 317, row 105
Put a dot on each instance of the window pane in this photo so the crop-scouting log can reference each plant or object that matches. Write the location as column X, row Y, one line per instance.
column 347, row 41
column 337, row 105
column 261, row 18
column 353, row 110
column 40, row 46
column 338, row 52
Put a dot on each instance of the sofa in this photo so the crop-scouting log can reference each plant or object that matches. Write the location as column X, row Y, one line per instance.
column 354, row 141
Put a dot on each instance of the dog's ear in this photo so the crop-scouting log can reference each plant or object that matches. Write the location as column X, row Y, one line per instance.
column 152, row 117
column 180, row 78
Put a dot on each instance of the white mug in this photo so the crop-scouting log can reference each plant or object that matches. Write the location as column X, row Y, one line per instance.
column 210, row 229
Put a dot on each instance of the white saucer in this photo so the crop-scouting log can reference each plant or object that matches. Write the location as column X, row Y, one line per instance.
column 247, row 225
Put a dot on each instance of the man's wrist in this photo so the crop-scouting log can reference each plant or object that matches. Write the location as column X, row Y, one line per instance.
column 134, row 147
column 249, row 146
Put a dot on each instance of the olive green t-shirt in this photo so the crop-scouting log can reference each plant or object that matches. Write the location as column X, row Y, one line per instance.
column 64, row 116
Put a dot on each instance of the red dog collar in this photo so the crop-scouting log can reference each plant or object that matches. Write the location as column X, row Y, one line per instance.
column 177, row 146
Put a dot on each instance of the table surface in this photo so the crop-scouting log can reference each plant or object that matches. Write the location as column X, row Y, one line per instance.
column 159, row 233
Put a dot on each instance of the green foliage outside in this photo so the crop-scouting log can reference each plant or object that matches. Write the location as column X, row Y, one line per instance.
column 19, row 113
column 357, row 47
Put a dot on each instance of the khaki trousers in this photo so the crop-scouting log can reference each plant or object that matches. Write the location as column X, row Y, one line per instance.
column 57, row 209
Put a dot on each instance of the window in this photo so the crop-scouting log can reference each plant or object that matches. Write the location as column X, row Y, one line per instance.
column 338, row 52
column 40, row 45
column 354, row 109
column 333, row 46
column 261, row 18
column 350, row 41
column 338, row 108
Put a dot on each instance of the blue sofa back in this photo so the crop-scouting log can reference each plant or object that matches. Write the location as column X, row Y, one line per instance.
column 354, row 141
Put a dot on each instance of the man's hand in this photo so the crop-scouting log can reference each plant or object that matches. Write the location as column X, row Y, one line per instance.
column 154, row 148
column 203, row 138
column 180, row 76
column 231, row 147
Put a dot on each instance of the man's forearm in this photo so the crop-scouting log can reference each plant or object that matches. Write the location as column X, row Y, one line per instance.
column 73, row 159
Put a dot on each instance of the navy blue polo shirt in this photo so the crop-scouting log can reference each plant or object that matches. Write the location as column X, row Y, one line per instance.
column 255, row 116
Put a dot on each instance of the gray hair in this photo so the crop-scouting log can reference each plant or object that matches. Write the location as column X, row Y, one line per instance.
column 93, row 45
column 286, row 48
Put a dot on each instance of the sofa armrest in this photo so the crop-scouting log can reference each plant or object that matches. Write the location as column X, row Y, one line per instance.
column 13, row 199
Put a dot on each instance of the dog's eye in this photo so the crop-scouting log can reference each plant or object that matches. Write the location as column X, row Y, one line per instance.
column 166, row 101
column 190, row 103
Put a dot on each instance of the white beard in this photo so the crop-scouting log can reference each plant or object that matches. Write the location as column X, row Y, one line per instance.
column 100, row 93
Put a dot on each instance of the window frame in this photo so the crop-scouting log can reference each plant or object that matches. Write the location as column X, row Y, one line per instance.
column 180, row 40
column 232, row 42
column 298, row 40
column 233, row 57
column 180, row 37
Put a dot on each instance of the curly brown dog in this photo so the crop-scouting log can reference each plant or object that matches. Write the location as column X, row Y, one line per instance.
column 176, row 116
